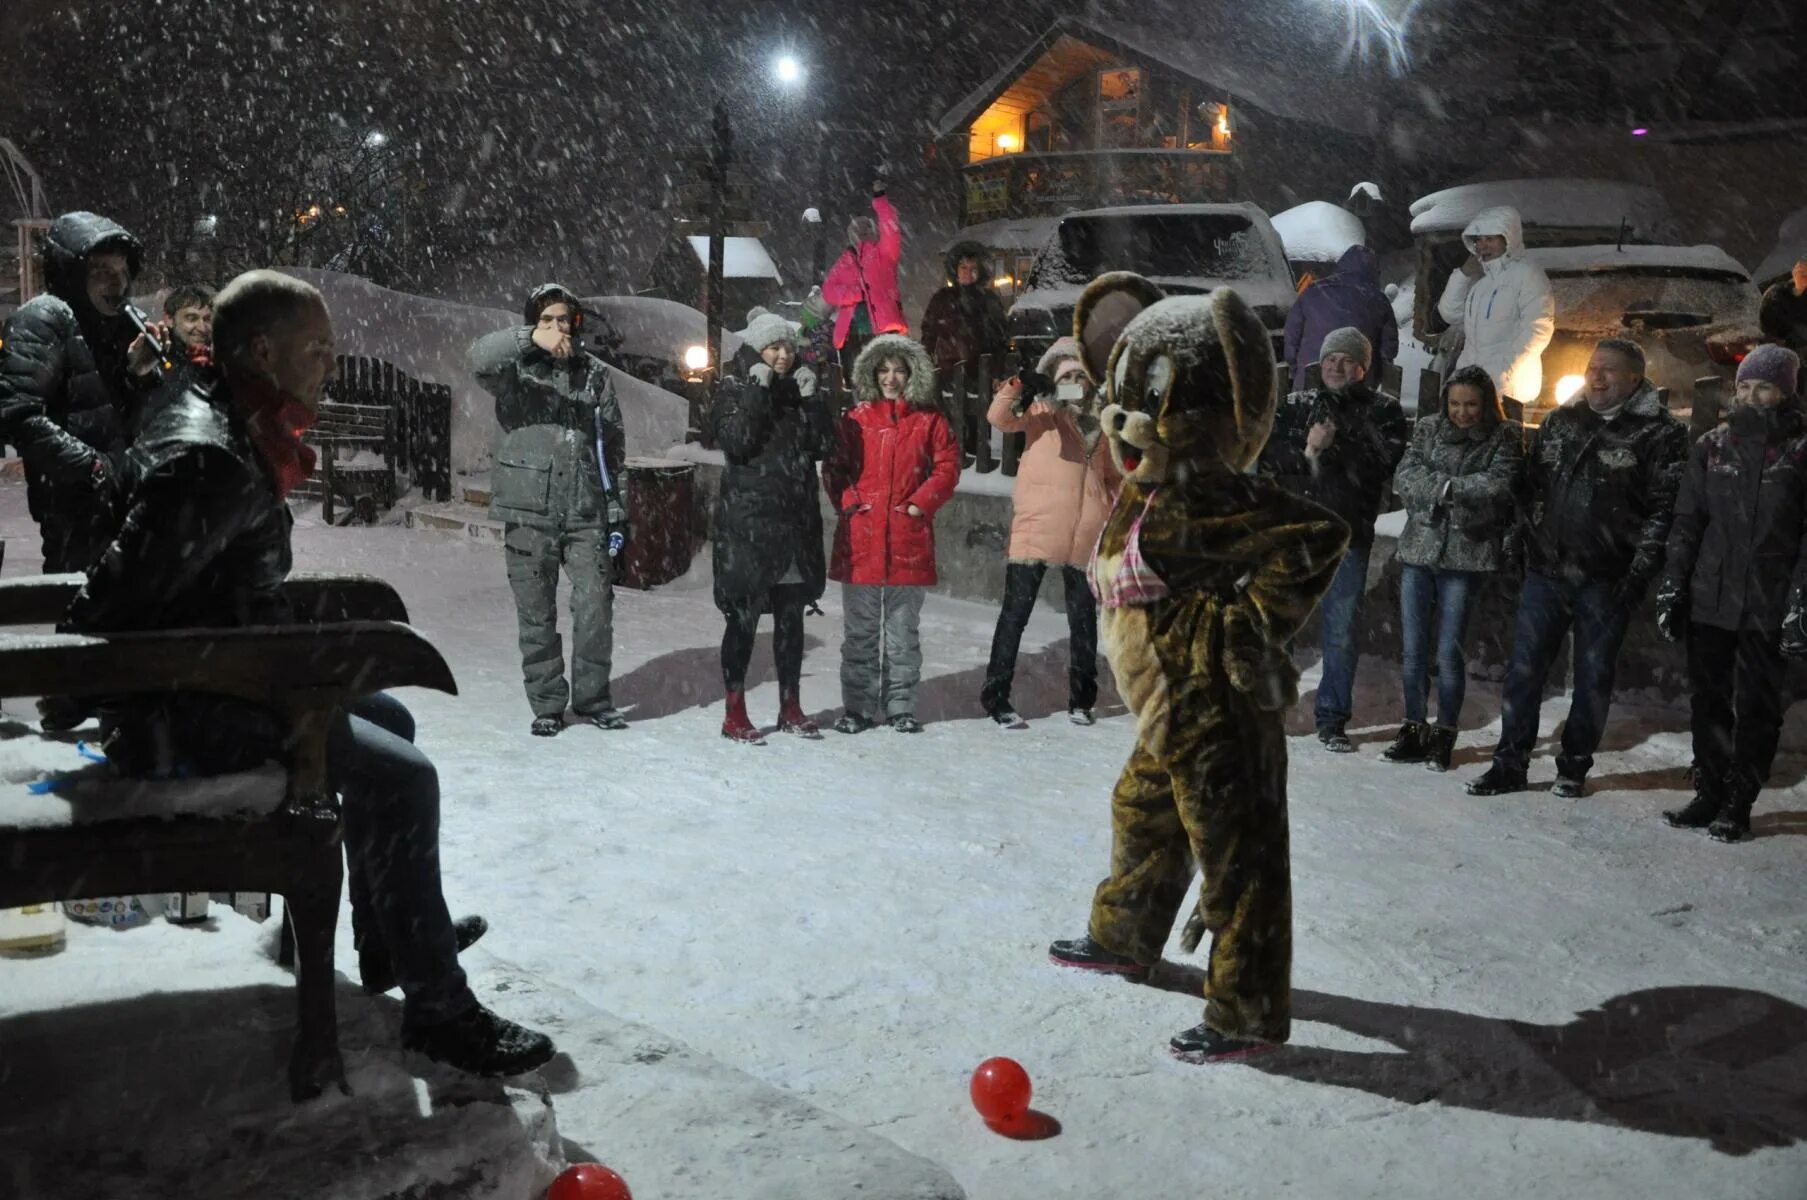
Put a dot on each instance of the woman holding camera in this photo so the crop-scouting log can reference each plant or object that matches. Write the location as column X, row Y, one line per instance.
column 1065, row 485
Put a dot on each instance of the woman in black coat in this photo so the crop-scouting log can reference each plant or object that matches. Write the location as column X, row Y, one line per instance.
column 1735, row 587
column 773, row 428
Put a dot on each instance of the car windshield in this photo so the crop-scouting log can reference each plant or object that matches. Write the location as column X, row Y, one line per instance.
column 1599, row 301
column 1208, row 246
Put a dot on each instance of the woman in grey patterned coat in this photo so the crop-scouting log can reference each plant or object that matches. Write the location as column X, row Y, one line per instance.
column 1457, row 479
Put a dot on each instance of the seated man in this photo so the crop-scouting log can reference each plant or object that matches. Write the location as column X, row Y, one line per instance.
column 205, row 542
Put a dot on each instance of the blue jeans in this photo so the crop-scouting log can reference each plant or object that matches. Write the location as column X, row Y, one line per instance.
column 1341, row 610
column 390, row 796
column 1421, row 588
column 1546, row 609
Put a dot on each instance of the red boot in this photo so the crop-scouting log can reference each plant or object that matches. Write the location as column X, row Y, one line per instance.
column 735, row 725
column 791, row 718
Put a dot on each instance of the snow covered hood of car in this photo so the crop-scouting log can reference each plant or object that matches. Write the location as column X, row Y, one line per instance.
column 1702, row 258
column 1558, row 203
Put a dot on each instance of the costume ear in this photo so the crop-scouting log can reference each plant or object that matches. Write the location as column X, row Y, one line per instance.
column 1110, row 303
column 1249, row 361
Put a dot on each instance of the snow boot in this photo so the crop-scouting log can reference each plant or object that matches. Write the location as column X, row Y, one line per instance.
column 479, row 1042
column 547, row 726
column 1081, row 716
column 1005, row 717
column 60, row 714
column 1335, row 740
column 736, row 726
column 1698, row 813
column 906, row 723
column 377, row 973
column 1439, row 744
column 1569, row 787
column 1497, row 781
column 1087, row 955
column 1203, row 1044
column 1410, row 744
column 604, row 718
column 1734, row 820
column 791, row 718
column 852, row 722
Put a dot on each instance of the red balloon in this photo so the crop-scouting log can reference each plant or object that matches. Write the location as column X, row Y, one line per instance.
column 1000, row 1090
column 589, row 1181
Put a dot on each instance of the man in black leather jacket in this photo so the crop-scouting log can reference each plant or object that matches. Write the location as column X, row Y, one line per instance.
column 205, row 542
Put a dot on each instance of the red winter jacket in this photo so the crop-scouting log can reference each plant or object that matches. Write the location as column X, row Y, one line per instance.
column 892, row 453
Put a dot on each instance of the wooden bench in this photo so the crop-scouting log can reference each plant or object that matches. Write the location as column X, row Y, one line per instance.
column 358, row 447
column 352, row 643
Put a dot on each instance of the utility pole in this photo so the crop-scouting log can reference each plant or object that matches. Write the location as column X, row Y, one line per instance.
column 721, row 156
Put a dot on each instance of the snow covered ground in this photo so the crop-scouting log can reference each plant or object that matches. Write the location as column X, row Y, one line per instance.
column 1497, row 998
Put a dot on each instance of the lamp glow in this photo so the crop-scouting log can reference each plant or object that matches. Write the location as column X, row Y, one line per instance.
column 1568, row 386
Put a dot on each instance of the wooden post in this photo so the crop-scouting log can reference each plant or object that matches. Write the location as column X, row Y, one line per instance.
column 721, row 153
column 956, row 413
column 975, row 417
column 1013, row 442
column 1709, row 396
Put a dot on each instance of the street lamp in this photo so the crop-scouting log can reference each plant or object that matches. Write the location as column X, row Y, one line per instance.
column 788, row 69
column 376, row 139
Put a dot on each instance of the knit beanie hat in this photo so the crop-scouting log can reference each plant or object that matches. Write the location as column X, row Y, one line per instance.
column 1062, row 348
column 767, row 329
column 1771, row 363
column 1348, row 340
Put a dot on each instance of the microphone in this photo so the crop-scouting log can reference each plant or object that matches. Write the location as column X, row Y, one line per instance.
column 141, row 323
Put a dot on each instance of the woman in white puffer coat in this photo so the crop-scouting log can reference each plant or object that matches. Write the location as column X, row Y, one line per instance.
column 1503, row 303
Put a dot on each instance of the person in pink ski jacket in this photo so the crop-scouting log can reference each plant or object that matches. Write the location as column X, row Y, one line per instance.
column 862, row 284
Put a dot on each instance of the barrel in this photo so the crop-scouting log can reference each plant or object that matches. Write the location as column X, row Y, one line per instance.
column 662, row 518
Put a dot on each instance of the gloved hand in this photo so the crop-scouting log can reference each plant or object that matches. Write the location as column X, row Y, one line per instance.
column 1630, row 592
column 806, row 382
column 761, row 374
column 1671, row 611
column 1794, row 629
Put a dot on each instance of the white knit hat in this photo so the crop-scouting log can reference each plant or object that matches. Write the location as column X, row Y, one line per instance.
column 1063, row 348
column 767, row 329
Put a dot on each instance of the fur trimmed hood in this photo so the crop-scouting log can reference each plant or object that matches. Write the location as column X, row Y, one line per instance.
column 919, row 391
column 968, row 249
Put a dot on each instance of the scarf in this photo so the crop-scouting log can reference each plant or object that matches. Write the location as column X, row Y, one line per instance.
column 276, row 422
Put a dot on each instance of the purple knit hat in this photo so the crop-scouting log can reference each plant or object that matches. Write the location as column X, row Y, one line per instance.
column 1771, row 363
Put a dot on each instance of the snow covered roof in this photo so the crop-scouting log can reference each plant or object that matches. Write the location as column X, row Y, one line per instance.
column 742, row 258
column 1285, row 88
column 1561, row 203
column 1318, row 231
column 1791, row 246
column 1617, row 258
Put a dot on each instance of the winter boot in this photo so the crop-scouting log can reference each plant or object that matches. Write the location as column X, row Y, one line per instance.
column 852, row 722
column 1005, row 717
column 1698, row 813
column 1087, row 955
column 1734, row 820
column 480, row 1042
column 1409, row 746
column 547, row 726
column 60, row 714
column 791, row 718
column 1203, row 1044
column 377, row 973
column 609, row 717
column 736, row 726
column 906, row 723
column 1333, row 739
column 1497, row 781
column 1439, row 744
column 1569, row 787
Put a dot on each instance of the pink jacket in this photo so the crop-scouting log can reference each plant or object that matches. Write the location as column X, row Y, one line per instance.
column 868, row 272
column 1062, row 494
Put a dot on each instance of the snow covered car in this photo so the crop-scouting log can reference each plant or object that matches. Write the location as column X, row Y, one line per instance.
column 660, row 341
column 1187, row 249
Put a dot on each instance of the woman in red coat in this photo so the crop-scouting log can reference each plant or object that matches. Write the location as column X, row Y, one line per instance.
column 896, row 463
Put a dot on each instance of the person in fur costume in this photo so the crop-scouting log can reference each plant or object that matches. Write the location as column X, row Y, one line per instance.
column 1203, row 573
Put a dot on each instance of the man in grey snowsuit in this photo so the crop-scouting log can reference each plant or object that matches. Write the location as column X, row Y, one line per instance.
column 558, row 486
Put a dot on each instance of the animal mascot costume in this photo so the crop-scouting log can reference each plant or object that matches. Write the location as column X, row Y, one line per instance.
column 1203, row 574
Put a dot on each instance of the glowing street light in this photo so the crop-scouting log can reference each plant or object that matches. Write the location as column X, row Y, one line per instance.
column 788, row 69
column 376, row 139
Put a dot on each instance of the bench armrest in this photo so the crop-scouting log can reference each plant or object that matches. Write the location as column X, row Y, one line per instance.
column 316, row 596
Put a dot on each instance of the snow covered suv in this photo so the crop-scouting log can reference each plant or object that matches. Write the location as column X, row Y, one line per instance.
column 1187, row 249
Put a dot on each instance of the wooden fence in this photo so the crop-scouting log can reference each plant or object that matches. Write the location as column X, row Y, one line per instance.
column 420, row 438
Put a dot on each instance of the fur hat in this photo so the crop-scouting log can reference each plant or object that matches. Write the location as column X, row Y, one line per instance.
column 1063, row 348
column 919, row 391
column 1775, row 364
column 768, row 329
column 1348, row 340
